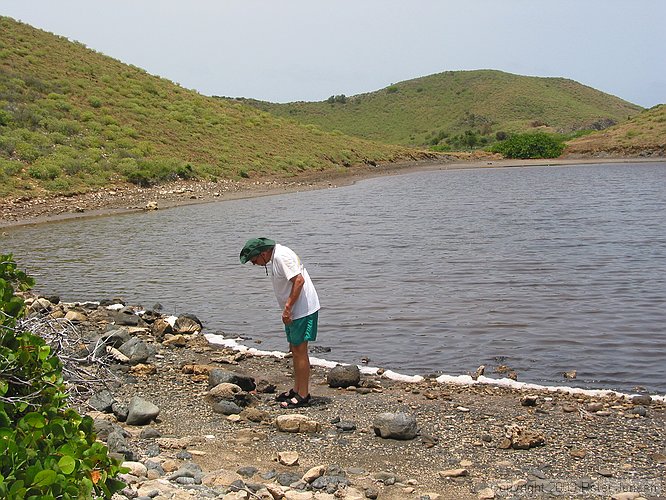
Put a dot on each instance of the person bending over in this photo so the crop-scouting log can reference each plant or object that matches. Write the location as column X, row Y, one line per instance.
column 298, row 299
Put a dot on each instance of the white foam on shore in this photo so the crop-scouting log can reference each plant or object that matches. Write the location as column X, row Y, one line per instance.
column 513, row 384
column 234, row 343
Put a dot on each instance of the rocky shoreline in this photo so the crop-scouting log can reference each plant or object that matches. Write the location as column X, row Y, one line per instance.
column 195, row 420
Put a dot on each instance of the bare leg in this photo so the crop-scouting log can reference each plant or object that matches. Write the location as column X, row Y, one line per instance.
column 301, row 362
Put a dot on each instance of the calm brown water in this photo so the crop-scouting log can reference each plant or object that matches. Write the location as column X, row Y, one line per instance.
column 544, row 269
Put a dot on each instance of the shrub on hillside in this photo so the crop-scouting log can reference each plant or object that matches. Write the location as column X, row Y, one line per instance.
column 47, row 450
column 342, row 99
column 537, row 145
column 147, row 173
column 44, row 170
column 5, row 117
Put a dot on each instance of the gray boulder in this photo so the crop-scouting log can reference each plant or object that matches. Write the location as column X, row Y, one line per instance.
column 219, row 376
column 120, row 411
column 103, row 428
column 102, row 401
column 395, row 426
column 141, row 412
column 116, row 337
column 344, row 376
column 126, row 317
column 188, row 469
column 150, row 433
column 117, row 444
column 227, row 408
column 331, row 483
column 136, row 350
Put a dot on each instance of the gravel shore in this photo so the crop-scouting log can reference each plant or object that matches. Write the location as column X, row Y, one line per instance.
column 607, row 445
column 474, row 441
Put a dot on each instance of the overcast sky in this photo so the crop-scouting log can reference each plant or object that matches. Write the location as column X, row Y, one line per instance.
column 290, row 50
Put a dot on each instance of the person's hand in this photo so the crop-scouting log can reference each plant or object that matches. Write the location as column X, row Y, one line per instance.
column 286, row 315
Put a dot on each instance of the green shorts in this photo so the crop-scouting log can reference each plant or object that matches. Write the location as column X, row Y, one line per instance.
column 302, row 329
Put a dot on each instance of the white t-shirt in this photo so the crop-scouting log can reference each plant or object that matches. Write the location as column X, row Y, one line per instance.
column 286, row 265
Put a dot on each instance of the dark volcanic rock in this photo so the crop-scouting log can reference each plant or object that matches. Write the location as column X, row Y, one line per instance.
column 344, row 376
column 219, row 376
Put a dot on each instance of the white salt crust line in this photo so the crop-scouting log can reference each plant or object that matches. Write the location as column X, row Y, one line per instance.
column 442, row 379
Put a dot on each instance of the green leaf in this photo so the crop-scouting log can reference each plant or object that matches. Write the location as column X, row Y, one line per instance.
column 5, row 421
column 17, row 490
column 67, row 449
column 67, row 464
column 45, row 478
column 34, row 420
column 44, row 352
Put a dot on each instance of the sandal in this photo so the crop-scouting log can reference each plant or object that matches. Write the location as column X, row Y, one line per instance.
column 285, row 396
column 297, row 401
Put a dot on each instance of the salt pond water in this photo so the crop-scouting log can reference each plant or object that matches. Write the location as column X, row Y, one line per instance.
column 541, row 269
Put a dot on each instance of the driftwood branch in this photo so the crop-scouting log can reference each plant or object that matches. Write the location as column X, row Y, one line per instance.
column 85, row 361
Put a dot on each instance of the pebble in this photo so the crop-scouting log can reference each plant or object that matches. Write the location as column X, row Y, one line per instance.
column 529, row 400
column 639, row 410
column 453, row 473
column 486, row 494
column 643, row 399
column 314, row 473
column 371, row 493
column 627, row 495
column 288, row 458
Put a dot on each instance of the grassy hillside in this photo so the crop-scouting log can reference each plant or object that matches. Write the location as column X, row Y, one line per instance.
column 434, row 109
column 72, row 119
column 643, row 135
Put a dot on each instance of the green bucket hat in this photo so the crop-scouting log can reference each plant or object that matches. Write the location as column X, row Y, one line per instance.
column 254, row 247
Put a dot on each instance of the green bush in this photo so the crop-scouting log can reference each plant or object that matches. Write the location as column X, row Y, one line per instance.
column 27, row 151
column 147, row 173
column 43, row 170
column 9, row 169
column 7, row 145
column 342, row 99
column 5, row 117
column 95, row 101
column 537, row 145
column 47, row 450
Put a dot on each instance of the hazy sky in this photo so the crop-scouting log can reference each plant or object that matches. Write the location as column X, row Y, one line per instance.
column 289, row 50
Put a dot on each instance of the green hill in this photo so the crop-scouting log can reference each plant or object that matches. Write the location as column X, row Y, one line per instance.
column 434, row 109
column 72, row 119
column 643, row 135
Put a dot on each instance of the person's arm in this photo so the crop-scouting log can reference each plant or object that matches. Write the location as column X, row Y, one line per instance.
column 296, row 287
